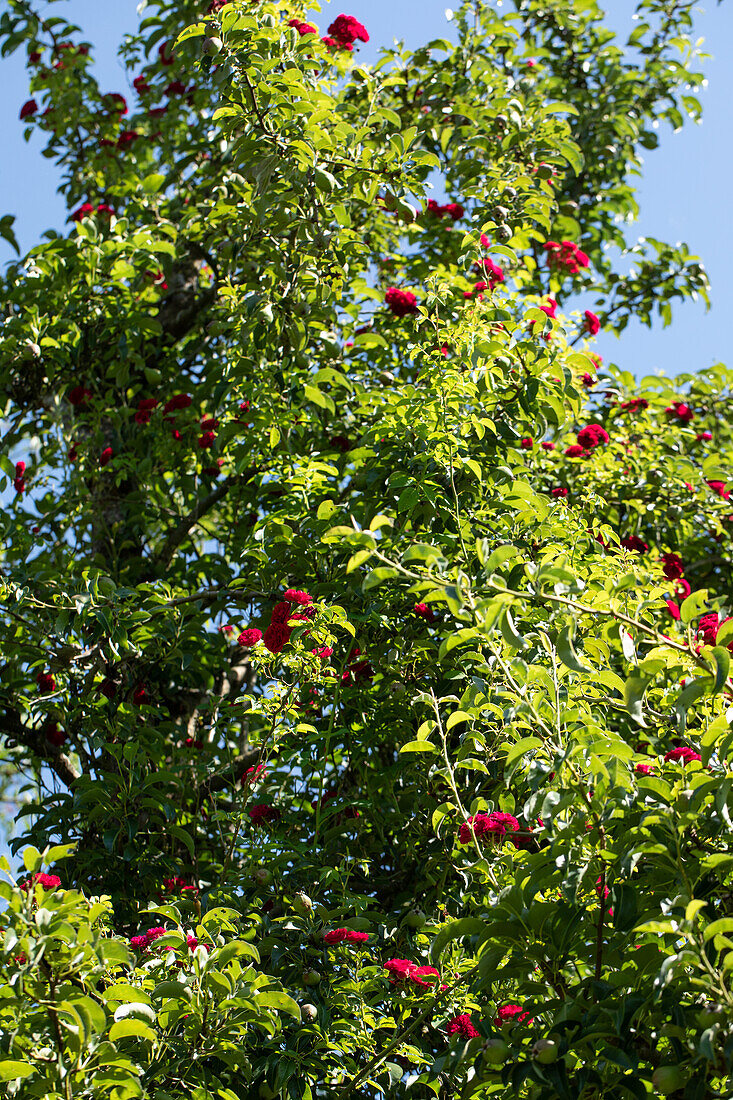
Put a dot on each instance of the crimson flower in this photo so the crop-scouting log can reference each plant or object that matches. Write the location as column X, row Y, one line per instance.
column 678, row 410
column 513, row 1014
column 565, row 256
column 249, row 637
column 462, row 1025
column 28, row 109
column 45, row 681
column 345, row 30
column 591, row 323
column 683, row 754
column 277, row 636
column 345, row 935
column 635, row 544
column 48, row 882
column 401, row 302
column 494, row 826
column 592, row 436
column 636, row 404
column 527, row 443
column 262, row 814
column 425, row 612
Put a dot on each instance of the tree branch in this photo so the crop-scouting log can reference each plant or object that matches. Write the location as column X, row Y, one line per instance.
column 15, row 731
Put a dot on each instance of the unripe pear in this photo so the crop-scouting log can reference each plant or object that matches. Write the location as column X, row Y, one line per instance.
column 302, row 904
column 415, row 919
column 31, row 350
column 211, row 46
column 504, row 233
column 261, row 876
column 510, row 194
column 544, row 172
column 496, row 1051
column 500, row 213
column 311, row 977
column 308, row 1013
column 667, row 1079
column 143, row 1012
column 545, row 1051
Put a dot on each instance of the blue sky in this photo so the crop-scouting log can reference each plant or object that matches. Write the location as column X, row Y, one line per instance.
column 684, row 193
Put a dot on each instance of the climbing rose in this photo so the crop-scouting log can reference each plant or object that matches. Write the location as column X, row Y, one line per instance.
column 462, row 1025
column 566, row 256
column 704, row 437
column 178, row 401
column 145, row 410
column 295, row 595
column 558, row 492
column 276, row 637
column 105, row 456
column 399, row 969
column 512, row 1014
column 48, row 882
column 45, row 681
column 79, row 396
column 527, row 443
column 323, row 653
column 141, row 85
column 139, row 695
column 591, row 323
column 574, row 451
column 592, row 436
column 178, row 885
column 300, row 27
column 546, row 445
column 634, row 543
column 345, row 30
column 280, row 613
column 206, row 440
column 401, row 302
column 682, row 589
column 680, row 411
column 672, row 566
column 708, row 628
column 262, row 813
column 492, row 272
column 588, row 380
column 253, row 774
column 249, row 637
column 28, row 109
column 425, row 612
column 644, row 769
column 674, row 610
column 550, row 308
column 719, row 488
column 452, row 210
column 636, row 404
column 55, row 735
column 494, row 825
column 683, row 754
column 345, row 935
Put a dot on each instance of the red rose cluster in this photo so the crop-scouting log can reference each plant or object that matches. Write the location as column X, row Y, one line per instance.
column 401, row 302
column 344, row 32
column 681, row 412
column 492, row 273
column 48, row 882
column 565, row 256
column 142, row 942
column 402, row 970
column 511, row 1014
column 88, row 208
column 301, row 27
column 262, row 814
column 636, row 404
column 682, row 755
column 345, row 935
column 19, row 481
column 495, row 826
column 452, row 210
column 462, row 1025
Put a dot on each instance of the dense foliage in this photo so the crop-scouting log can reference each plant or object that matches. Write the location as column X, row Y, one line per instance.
column 365, row 682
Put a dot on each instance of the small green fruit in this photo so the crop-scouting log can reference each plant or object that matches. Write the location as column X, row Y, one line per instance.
column 500, row 213
column 386, row 378
column 311, row 977
column 667, row 1079
column 415, row 919
column 545, row 1051
column 504, row 233
column 496, row 1052
column 143, row 1012
column 211, row 46
column 262, row 876
column 308, row 1013
column 302, row 904
column 545, row 172
column 510, row 194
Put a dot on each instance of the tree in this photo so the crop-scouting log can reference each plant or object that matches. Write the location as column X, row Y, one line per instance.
column 366, row 657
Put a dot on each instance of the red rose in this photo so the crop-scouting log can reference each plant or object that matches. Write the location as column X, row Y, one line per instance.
column 79, row 396
column 48, row 882
column 277, row 636
column 512, row 1014
column 592, row 436
column 28, row 109
column 672, row 566
column 139, row 695
column 574, row 451
column 683, row 754
column 301, row 28
column 527, row 443
column 45, row 681
column 105, row 456
column 345, row 935
column 565, row 256
column 55, row 735
column 494, row 826
column 550, row 308
column 401, row 302
column 249, row 637
column 295, row 595
column 262, row 814
column 141, row 85
column 591, row 323
column 206, row 440
column 425, row 612
column 719, row 488
column 462, row 1025
column 178, row 401
column 345, row 30
column 636, row 404
column 678, row 410
column 635, row 544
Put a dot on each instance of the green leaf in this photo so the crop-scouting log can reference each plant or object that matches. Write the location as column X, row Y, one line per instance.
column 466, row 926
column 153, row 183
column 634, row 690
column 11, row 1071
column 126, row 1029
column 419, row 746
column 694, row 605
column 566, row 650
column 279, row 1001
